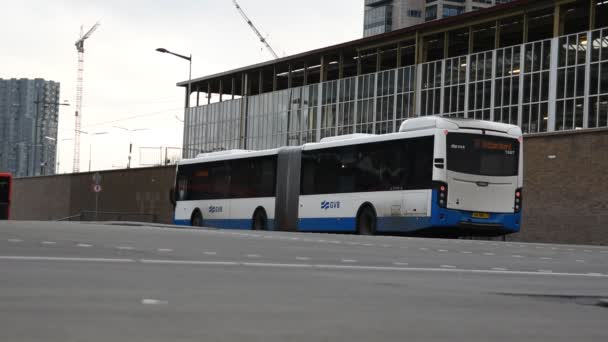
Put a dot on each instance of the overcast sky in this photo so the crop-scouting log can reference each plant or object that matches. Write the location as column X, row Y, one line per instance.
column 125, row 77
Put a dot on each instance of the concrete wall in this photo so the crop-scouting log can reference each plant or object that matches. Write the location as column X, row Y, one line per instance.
column 142, row 191
column 565, row 190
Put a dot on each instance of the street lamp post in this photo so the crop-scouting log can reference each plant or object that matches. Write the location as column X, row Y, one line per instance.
column 91, row 143
column 130, row 131
column 59, row 155
column 189, row 59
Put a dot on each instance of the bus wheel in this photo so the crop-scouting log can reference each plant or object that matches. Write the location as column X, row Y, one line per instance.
column 260, row 221
column 197, row 219
column 366, row 221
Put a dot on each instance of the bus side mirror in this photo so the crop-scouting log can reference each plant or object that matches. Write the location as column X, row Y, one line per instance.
column 172, row 196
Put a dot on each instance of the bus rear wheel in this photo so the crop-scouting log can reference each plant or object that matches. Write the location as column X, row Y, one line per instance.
column 366, row 221
column 197, row 219
column 260, row 220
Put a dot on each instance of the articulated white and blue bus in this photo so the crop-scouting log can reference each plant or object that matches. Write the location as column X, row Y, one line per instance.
column 437, row 176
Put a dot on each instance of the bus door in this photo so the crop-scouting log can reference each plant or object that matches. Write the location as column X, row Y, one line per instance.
column 5, row 196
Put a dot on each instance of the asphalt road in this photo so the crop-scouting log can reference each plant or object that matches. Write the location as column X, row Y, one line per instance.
column 88, row 282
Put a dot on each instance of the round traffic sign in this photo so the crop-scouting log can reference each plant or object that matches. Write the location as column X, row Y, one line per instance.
column 97, row 188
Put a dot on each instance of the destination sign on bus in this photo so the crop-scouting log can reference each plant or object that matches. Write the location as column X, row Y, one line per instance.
column 492, row 145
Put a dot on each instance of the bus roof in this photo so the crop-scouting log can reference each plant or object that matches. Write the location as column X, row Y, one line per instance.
column 429, row 122
column 416, row 127
column 227, row 155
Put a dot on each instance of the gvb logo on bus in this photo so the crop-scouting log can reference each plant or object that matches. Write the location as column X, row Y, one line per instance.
column 214, row 210
column 330, row 205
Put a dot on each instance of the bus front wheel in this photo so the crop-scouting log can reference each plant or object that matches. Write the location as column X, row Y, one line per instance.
column 260, row 220
column 197, row 219
column 366, row 221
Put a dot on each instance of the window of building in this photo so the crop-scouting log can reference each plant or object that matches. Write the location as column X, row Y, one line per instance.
column 598, row 90
column 540, row 25
column 484, row 37
column 430, row 13
column 571, row 81
column 451, row 10
column 511, row 31
column 458, row 42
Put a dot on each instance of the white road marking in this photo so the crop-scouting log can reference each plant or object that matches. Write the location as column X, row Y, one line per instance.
column 42, row 258
column 259, row 264
column 15, row 240
column 400, row 263
column 302, row 258
column 499, row 269
column 545, row 258
column 252, row 256
column 188, row 262
column 466, row 252
column 517, row 256
column 84, row 245
column 368, row 245
column 48, row 242
column 165, row 250
column 125, row 248
column 319, row 266
column 423, row 249
column 348, row 261
column 210, row 253
column 447, row 266
column 154, row 302
column 489, row 254
column 442, row 250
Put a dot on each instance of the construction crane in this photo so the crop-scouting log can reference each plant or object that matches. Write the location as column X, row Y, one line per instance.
column 79, row 91
column 255, row 30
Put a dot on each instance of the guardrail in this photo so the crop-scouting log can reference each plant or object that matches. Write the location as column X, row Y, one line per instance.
column 89, row 215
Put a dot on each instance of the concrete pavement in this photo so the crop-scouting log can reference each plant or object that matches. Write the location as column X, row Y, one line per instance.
column 71, row 281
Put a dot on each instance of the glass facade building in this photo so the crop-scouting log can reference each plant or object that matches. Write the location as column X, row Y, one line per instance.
column 546, row 85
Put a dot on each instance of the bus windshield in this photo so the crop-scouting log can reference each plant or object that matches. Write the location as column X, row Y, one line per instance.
column 482, row 155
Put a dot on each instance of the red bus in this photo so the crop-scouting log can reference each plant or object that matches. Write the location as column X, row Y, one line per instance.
column 6, row 181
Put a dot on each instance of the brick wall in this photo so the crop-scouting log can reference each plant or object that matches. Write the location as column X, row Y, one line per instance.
column 566, row 188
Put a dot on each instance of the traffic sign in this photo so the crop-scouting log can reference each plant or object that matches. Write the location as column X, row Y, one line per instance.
column 97, row 178
column 97, row 188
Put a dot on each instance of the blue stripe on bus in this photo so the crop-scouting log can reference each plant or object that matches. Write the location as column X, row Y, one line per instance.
column 349, row 224
column 334, row 224
column 242, row 224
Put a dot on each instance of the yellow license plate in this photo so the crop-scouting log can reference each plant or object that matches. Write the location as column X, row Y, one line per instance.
column 481, row 215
